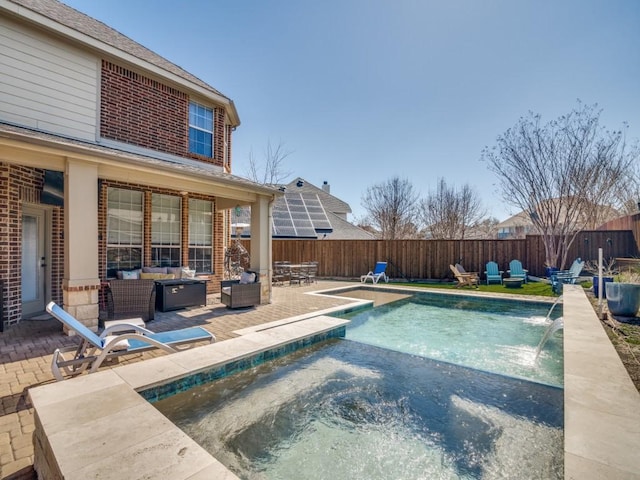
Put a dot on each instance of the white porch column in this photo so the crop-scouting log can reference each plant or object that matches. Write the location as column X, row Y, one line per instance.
column 261, row 245
column 81, row 282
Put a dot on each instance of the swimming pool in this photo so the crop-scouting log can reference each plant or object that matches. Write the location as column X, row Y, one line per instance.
column 346, row 409
column 498, row 336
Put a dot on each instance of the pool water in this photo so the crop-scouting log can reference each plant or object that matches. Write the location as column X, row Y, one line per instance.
column 496, row 336
column 347, row 409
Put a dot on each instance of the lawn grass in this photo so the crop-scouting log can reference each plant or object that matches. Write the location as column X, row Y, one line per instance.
column 540, row 289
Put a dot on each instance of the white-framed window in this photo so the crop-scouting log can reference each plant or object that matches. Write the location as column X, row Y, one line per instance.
column 201, row 235
column 200, row 130
column 124, row 229
column 165, row 230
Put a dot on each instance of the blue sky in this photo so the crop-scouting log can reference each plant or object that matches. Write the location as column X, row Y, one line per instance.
column 362, row 90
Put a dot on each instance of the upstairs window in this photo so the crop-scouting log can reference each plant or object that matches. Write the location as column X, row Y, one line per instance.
column 200, row 130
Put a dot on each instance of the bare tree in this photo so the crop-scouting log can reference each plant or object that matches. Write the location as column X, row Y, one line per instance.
column 448, row 213
column 566, row 174
column 630, row 194
column 391, row 208
column 272, row 171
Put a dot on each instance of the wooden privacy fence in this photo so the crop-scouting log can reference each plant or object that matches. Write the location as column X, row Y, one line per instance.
column 430, row 259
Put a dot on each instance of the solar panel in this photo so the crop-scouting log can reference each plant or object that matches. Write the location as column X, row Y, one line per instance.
column 317, row 213
column 295, row 215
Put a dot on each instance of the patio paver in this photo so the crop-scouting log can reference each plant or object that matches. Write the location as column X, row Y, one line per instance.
column 26, row 350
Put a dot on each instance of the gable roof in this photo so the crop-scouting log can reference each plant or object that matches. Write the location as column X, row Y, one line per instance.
column 95, row 29
column 309, row 222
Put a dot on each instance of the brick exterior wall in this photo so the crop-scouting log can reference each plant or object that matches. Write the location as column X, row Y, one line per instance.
column 141, row 111
column 213, row 286
column 20, row 185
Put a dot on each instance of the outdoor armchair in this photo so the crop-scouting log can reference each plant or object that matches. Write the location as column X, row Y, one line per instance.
column 131, row 298
column 241, row 293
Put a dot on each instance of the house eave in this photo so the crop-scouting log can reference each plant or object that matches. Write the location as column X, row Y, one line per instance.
column 40, row 150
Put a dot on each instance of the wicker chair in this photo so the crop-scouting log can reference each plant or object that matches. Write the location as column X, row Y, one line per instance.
column 238, row 295
column 131, row 298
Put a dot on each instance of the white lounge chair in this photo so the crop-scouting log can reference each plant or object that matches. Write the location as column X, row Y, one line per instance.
column 376, row 274
column 119, row 339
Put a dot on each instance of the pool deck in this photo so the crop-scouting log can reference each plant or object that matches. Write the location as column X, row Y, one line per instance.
column 602, row 425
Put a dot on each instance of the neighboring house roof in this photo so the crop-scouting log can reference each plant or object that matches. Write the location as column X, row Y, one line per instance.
column 289, row 221
column 523, row 219
column 343, row 230
column 86, row 25
column 518, row 220
column 330, row 203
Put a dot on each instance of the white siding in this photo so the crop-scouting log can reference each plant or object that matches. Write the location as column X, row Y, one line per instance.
column 47, row 84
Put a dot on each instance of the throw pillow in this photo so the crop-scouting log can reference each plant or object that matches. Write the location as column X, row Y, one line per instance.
column 119, row 345
column 130, row 275
column 247, row 277
column 188, row 273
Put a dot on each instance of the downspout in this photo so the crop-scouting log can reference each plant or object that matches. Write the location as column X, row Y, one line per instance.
column 270, row 254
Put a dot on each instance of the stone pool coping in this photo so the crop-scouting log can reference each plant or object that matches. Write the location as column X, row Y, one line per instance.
column 98, row 425
column 601, row 403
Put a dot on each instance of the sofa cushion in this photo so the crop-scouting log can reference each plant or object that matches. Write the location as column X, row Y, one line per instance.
column 154, row 270
column 226, row 290
column 157, row 276
column 176, row 271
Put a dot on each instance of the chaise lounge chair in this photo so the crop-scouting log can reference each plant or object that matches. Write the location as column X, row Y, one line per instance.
column 376, row 274
column 465, row 279
column 119, row 339
column 516, row 271
column 492, row 273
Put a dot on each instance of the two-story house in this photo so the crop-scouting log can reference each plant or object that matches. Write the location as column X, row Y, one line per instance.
column 111, row 158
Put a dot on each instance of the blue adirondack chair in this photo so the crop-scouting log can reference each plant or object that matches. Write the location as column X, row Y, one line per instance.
column 516, row 270
column 492, row 273
column 563, row 277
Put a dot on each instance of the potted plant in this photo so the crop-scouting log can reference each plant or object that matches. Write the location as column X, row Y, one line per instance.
column 608, row 273
column 623, row 295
